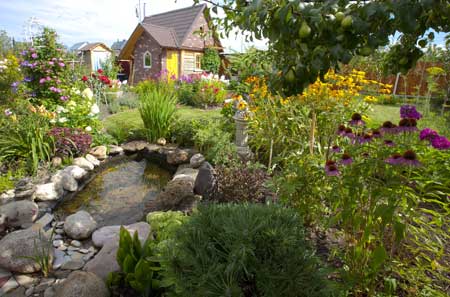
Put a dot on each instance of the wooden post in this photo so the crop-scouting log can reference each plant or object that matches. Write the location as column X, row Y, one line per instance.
column 396, row 84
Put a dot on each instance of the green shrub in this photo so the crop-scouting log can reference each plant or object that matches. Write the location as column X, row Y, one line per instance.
column 245, row 250
column 24, row 137
column 211, row 60
column 157, row 109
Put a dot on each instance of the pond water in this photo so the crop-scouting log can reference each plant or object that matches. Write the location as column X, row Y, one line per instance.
column 116, row 195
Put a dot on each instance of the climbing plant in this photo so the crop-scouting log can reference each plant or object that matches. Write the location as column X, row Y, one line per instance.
column 211, row 60
column 308, row 38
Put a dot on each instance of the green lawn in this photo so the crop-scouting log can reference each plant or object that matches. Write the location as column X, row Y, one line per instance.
column 122, row 123
column 382, row 113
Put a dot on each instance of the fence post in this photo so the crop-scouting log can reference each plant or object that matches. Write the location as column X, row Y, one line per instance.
column 396, row 84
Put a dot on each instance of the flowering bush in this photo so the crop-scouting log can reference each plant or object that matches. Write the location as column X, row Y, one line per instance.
column 100, row 84
column 45, row 73
column 202, row 90
column 376, row 189
column 9, row 76
column 70, row 141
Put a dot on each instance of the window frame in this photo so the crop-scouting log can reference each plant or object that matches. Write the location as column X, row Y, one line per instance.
column 151, row 60
column 199, row 55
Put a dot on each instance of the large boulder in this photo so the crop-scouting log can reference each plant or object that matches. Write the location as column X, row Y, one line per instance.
column 18, row 213
column 178, row 156
column 197, row 160
column 134, row 146
column 111, row 233
column 105, row 261
column 186, row 173
column 16, row 247
column 80, row 225
column 82, row 284
column 65, row 180
column 100, row 152
column 92, row 159
column 115, row 150
column 83, row 163
column 205, row 181
column 177, row 195
column 76, row 171
column 48, row 192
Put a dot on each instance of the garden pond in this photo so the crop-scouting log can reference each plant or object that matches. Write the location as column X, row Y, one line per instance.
column 117, row 194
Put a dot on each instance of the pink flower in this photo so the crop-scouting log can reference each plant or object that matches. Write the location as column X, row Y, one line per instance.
column 42, row 80
column 48, row 78
column 61, row 64
column 51, row 63
column 34, row 55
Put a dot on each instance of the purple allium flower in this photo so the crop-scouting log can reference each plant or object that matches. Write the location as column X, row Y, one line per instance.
column 61, row 64
column 8, row 112
column 335, row 149
column 428, row 134
column 34, row 55
column 409, row 112
column 440, row 143
column 410, row 158
column 42, row 80
column 357, row 120
column 395, row 159
column 331, row 168
column 388, row 142
column 365, row 138
column 346, row 159
column 407, row 125
column 341, row 130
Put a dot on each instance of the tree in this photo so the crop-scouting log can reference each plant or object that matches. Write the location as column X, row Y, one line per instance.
column 5, row 43
column 211, row 60
column 307, row 38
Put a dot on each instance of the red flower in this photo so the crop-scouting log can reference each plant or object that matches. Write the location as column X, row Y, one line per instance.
column 84, row 78
column 100, row 71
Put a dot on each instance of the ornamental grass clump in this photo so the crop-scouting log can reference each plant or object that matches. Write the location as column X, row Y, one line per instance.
column 157, row 109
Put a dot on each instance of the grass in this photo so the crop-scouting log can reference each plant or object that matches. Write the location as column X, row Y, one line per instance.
column 382, row 113
column 128, row 124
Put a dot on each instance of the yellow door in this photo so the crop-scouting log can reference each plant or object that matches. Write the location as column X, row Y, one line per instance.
column 172, row 63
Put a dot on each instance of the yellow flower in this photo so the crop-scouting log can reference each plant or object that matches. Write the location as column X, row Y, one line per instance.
column 32, row 108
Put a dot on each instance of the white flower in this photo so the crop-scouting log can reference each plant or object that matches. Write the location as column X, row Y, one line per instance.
column 95, row 109
column 60, row 109
column 88, row 128
column 62, row 120
column 124, row 82
column 53, row 121
column 87, row 93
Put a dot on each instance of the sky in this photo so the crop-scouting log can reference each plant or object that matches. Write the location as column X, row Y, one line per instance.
column 89, row 20
column 96, row 20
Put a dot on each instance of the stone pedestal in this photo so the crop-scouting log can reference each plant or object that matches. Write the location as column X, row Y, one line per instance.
column 241, row 139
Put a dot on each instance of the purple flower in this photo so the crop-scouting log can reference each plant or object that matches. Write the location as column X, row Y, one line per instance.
column 48, row 78
column 14, row 84
column 8, row 112
column 331, row 168
column 64, row 98
column 395, row 159
column 42, row 80
column 440, row 143
column 365, row 138
column 24, row 63
column 33, row 65
column 376, row 133
column 51, row 63
column 388, row 128
column 27, row 79
column 335, row 149
column 410, row 158
column 349, row 133
column 428, row 134
column 341, row 130
column 61, row 64
column 34, row 55
column 357, row 120
column 409, row 112
column 23, row 53
column 346, row 159
column 407, row 125
column 388, row 142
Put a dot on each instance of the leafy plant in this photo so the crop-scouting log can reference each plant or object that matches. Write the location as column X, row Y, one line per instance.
column 43, row 251
column 157, row 110
column 245, row 250
column 139, row 269
column 24, row 137
column 70, row 141
column 211, row 60
column 240, row 183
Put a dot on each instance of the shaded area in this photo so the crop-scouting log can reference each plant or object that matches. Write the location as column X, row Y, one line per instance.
column 117, row 194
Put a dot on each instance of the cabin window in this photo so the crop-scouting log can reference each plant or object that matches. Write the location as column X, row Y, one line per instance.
column 147, row 60
column 198, row 61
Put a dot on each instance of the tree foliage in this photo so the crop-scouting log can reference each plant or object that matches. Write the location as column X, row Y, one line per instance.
column 308, row 38
column 211, row 60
